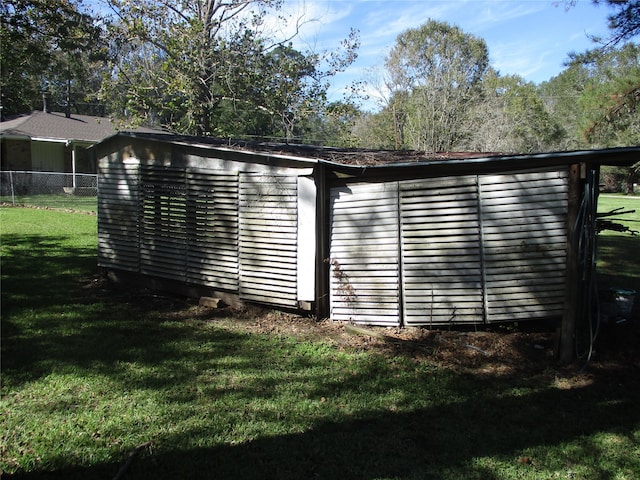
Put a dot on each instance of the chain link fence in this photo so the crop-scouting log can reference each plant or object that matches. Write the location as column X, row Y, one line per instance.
column 49, row 189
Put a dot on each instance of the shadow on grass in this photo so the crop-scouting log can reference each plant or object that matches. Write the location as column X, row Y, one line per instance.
column 444, row 426
column 447, row 441
column 619, row 261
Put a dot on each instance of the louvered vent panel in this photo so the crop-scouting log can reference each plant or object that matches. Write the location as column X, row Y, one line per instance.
column 268, row 239
column 524, row 229
column 118, row 205
column 364, row 275
column 163, row 222
column 212, row 229
column 442, row 276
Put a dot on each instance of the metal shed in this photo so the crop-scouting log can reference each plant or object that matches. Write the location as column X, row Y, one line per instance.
column 185, row 213
column 401, row 240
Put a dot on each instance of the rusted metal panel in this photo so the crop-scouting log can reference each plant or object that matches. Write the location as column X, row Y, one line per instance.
column 268, row 221
column 364, row 254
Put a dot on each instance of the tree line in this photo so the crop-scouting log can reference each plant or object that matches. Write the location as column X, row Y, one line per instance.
column 216, row 67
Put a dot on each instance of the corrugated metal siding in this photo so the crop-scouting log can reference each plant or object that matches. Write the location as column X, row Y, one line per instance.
column 268, row 238
column 455, row 250
column 524, row 237
column 212, row 228
column 364, row 256
column 441, row 261
column 118, row 205
column 163, row 222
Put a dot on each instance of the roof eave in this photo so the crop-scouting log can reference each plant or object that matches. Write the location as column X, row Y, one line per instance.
column 623, row 156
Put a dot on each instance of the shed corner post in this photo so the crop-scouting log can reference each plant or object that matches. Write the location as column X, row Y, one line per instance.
column 566, row 350
column 322, row 242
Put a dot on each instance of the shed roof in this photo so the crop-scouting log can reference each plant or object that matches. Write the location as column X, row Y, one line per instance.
column 369, row 162
column 56, row 126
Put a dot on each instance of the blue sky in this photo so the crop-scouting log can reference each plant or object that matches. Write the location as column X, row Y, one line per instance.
column 530, row 38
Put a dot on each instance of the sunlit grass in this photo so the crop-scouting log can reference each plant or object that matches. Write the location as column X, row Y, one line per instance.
column 59, row 201
column 618, row 252
column 89, row 374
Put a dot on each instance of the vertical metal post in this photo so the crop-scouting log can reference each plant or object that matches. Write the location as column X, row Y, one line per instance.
column 400, row 250
column 73, row 165
column 13, row 195
column 483, row 271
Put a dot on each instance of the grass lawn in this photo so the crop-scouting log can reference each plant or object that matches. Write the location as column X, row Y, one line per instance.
column 88, row 375
column 618, row 252
column 61, row 202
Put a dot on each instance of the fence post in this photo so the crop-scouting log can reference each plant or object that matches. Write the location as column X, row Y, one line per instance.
column 73, row 166
column 13, row 195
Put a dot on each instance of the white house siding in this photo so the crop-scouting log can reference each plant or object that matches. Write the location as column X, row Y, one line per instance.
column 229, row 225
column 441, row 260
column 212, row 228
column 163, row 222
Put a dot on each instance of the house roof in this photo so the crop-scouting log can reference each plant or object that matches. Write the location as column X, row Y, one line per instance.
column 56, row 126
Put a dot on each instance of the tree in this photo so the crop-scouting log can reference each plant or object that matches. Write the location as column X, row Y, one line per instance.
column 560, row 96
column 611, row 97
column 613, row 104
column 208, row 67
column 48, row 44
column 624, row 24
column 434, row 73
column 511, row 118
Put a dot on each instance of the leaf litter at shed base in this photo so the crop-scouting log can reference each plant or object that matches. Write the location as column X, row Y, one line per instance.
column 496, row 350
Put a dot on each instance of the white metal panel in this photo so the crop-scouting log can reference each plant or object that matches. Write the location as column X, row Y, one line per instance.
column 118, row 205
column 364, row 254
column 212, row 228
column 441, row 255
column 163, row 222
column 306, row 239
column 524, row 237
column 268, row 223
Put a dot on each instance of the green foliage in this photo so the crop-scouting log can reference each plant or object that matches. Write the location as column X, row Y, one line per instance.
column 624, row 24
column 511, row 117
column 434, row 72
column 48, row 44
column 210, row 68
column 611, row 97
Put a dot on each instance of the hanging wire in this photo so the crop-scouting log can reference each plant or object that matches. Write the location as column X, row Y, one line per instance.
column 585, row 237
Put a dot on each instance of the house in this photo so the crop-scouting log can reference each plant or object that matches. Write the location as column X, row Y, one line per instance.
column 371, row 237
column 44, row 141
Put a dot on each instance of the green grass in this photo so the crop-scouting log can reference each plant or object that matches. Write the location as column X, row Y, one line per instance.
column 89, row 374
column 618, row 252
column 61, row 202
